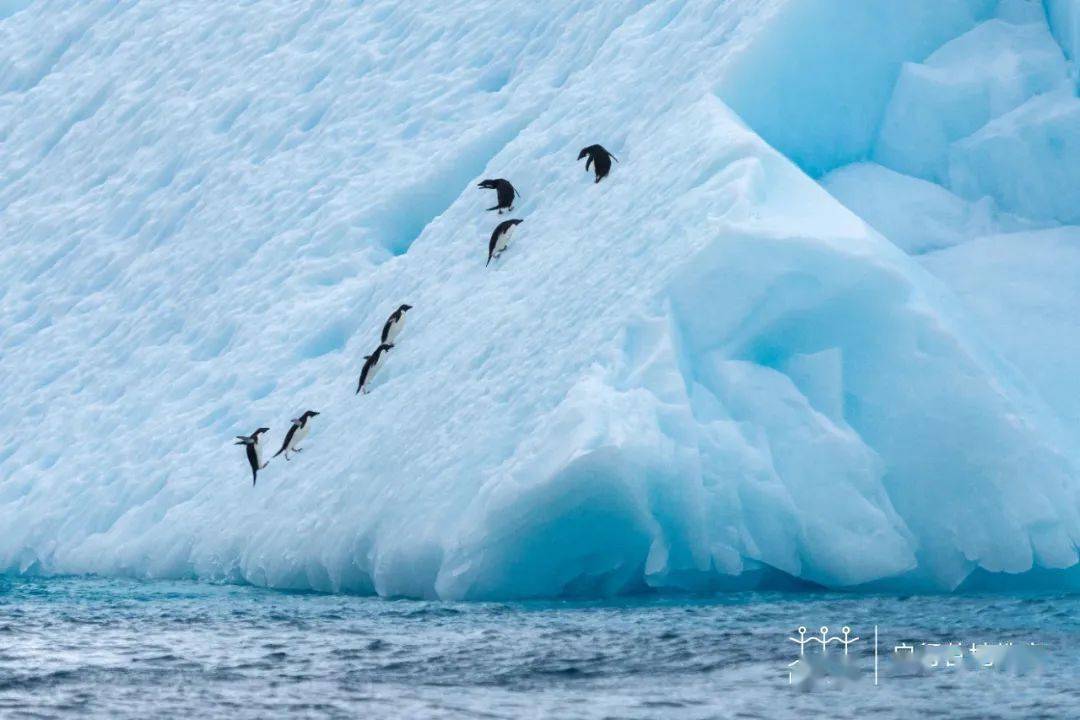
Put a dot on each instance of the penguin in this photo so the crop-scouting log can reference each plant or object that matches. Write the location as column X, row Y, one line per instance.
column 500, row 238
column 297, row 432
column 600, row 158
column 394, row 324
column 504, row 193
column 372, row 363
column 254, row 451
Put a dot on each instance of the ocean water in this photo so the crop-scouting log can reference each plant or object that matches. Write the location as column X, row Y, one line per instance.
column 120, row 648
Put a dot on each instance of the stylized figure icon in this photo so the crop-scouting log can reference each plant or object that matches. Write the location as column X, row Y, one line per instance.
column 824, row 640
column 846, row 641
column 801, row 640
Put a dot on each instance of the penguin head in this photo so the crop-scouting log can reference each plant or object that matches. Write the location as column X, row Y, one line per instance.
column 405, row 308
column 486, row 184
column 259, row 432
column 308, row 414
column 583, row 153
column 515, row 221
column 386, row 346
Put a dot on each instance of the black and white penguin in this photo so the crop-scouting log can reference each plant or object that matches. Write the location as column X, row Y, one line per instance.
column 394, row 323
column 504, row 193
column 253, row 443
column 500, row 238
column 297, row 431
column 600, row 159
column 372, row 363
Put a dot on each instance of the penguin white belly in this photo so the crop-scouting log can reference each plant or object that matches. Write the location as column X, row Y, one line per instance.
column 375, row 367
column 300, row 434
column 502, row 241
column 258, row 453
column 395, row 328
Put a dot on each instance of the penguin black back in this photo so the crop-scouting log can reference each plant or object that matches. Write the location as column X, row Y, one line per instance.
column 600, row 160
column 393, row 324
column 253, row 448
column 371, row 365
column 298, row 425
column 504, row 193
column 500, row 237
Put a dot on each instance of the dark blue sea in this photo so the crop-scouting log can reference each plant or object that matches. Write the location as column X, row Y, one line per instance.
column 82, row 647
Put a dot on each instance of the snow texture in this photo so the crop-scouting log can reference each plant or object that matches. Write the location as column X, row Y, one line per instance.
column 704, row 372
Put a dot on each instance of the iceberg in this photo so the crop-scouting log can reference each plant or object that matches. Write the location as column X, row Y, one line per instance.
column 709, row 371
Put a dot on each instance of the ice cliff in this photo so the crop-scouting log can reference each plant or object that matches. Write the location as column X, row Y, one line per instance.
column 819, row 323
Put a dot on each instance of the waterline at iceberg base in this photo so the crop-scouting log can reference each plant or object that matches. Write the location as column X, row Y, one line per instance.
column 804, row 333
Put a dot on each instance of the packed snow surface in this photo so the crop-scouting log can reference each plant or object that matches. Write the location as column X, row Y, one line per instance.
column 706, row 371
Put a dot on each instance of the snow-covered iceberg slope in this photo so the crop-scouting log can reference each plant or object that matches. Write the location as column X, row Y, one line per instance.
column 704, row 372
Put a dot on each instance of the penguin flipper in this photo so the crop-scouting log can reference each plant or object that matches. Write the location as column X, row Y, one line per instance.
column 588, row 162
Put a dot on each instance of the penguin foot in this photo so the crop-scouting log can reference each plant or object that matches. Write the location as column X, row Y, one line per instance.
column 296, row 450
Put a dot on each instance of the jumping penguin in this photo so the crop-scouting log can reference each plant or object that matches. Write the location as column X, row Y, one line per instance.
column 254, row 451
column 504, row 193
column 394, row 323
column 600, row 159
column 500, row 238
column 372, row 363
column 297, row 432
